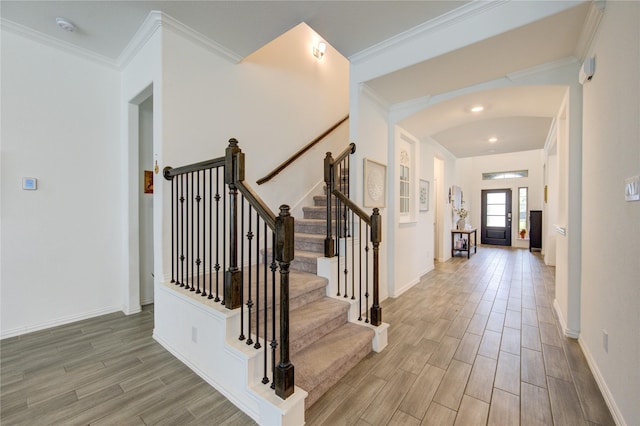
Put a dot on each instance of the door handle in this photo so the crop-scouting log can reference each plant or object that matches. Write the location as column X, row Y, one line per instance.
column 509, row 216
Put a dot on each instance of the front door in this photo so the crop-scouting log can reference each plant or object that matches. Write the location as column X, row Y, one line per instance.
column 496, row 217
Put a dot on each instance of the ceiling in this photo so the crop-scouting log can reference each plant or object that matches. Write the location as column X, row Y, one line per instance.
column 519, row 117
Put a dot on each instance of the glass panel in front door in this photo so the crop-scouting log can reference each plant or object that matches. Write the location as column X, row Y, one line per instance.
column 496, row 208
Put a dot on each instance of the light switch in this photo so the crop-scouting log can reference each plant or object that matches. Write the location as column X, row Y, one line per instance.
column 29, row 183
column 632, row 188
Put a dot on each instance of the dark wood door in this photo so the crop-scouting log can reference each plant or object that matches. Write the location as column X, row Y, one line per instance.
column 496, row 217
column 535, row 230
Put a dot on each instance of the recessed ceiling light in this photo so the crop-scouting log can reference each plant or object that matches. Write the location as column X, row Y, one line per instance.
column 493, row 139
column 477, row 108
column 65, row 24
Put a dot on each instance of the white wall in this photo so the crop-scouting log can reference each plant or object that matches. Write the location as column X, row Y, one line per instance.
column 274, row 102
column 60, row 244
column 611, row 226
column 370, row 130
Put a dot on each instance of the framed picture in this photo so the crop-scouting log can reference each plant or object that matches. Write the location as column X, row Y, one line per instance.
column 375, row 184
column 424, row 195
column 148, row 182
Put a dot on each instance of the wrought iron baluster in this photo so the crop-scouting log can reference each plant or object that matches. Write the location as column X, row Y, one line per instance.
column 338, row 239
column 217, row 266
column 265, row 379
column 249, row 301
column 257, row 345
column 224, row 235
column 190, row 252
column 197, row 254
column 353, row 265
column 173, row 229
column 182, row 208
column 366, row 282
column 274, row 341
column 204, row 231
column 360, row 270
column 242, row 336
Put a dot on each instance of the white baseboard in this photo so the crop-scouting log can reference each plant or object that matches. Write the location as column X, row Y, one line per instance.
column 602, row 384
column 57, row 322
column 397, row 292
column 573, row 334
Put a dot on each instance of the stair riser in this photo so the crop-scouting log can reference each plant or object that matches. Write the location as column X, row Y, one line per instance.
column 303, row 341
column 305, row 265
column 319, row 213
column 316, row 228
column 312, row 245
column 300, row 339
column 339, row 372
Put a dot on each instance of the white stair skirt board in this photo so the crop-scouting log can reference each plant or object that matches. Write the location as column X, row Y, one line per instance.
column 204, row 336
column 328, row 268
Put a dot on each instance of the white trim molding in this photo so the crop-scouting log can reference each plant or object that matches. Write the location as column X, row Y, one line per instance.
column 573, row 334
column 157, row 19
column 47, row 40
column 602, row 384
column 59, row 321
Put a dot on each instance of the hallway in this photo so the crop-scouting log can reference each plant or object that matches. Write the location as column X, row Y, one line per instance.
column 475, row 342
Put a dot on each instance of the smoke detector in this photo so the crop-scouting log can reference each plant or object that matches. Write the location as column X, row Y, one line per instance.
column 65, row 24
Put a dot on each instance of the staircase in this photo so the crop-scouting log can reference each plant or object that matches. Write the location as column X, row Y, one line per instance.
column 279, row 321
column 324, row 345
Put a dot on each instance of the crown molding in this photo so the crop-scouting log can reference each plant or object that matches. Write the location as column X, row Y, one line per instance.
column 549, row 66
column 198, row 38
column 148, row 28
column 47, row 40
column 402, row 110
column 450, row 18
column 375, row 97
column 157, row 19
column 589, row 29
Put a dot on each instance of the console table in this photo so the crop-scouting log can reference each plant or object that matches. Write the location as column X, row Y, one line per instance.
column 469, row 246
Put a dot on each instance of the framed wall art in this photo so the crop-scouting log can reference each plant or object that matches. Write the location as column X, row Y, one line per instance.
column 375, row 184
column 424, row 195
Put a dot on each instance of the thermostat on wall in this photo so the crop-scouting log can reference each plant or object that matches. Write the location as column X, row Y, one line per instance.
column 29, row 183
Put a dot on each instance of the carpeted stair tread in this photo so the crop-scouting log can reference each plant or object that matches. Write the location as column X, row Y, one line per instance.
column 321, row 365
column 315, row 320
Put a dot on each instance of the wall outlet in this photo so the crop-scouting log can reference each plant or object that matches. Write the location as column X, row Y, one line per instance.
column 194, row 335
column 605, row 341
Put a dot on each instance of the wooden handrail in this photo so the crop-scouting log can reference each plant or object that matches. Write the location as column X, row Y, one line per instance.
column 170, row 172
column 352, row 206
column 298, row 154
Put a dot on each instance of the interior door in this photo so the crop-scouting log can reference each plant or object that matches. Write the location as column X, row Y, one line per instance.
column 496, row 217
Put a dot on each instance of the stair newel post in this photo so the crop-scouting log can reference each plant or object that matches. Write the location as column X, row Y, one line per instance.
column 233, row 172
column 376, row 238
column 328, row 172
column 284, row 372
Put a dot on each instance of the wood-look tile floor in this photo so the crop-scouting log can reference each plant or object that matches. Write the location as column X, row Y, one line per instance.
column 475, row 342
column 104, row 371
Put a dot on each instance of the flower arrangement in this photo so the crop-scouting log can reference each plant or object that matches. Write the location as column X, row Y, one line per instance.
column 461, row 212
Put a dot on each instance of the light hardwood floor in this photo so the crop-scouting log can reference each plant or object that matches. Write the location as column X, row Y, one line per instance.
column 475, row 342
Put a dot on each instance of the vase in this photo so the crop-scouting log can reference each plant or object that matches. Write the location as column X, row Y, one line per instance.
column 461, row 224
